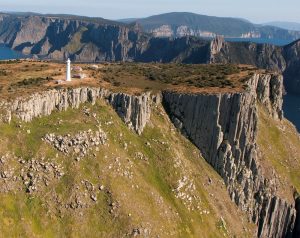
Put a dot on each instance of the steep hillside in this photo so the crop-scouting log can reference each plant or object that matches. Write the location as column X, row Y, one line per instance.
column 117, row 185
column 279, row 144
column 178, row 24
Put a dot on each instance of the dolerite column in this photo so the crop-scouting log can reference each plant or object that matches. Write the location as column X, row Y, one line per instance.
column 296, row 233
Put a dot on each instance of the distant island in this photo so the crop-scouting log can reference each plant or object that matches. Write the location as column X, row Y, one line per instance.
column 178, row 24
column 292, row 26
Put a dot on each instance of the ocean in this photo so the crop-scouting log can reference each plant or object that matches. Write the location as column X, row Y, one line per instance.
column 291, row 109
column 6, row 53
column 277, row 42
column 291, row 102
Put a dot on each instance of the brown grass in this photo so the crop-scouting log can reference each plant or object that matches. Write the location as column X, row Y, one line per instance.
column 27, row 76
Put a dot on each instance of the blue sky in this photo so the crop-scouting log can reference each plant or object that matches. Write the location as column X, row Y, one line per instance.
column 257, row 11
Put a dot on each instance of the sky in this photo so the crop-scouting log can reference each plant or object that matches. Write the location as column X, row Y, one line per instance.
column 257, row 11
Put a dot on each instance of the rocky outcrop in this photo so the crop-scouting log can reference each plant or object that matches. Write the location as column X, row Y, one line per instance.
column 215, row 47
column 264, row 56
column 134, row 110
column 44, row 103
column 79, row 144
column 269, row 91
column 224, row 128
column 162, row 31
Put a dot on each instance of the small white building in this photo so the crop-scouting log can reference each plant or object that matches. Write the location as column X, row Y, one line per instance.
column 79, row 76
column 77, row 68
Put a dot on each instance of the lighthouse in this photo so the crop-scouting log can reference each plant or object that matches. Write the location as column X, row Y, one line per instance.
column 68, row 75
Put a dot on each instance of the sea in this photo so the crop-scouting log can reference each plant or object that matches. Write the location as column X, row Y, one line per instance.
column 7, row 53
column 291, row 109
column 278, row 42
column 291, row 102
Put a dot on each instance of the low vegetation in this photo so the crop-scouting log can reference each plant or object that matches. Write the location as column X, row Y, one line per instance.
column 10, row 61
column 32, row 82
column 26, row 76
column 279, row 143
column 199, row 76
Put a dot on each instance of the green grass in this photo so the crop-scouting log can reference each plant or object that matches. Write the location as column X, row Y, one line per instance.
column 281, row 148
column 43, row 215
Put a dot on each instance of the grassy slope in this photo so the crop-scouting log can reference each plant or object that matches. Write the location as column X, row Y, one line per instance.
column 280, row 146
column 145, row 198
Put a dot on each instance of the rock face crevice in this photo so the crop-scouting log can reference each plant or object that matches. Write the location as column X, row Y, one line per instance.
column 224, row 128
column 297, row 223
column 133, row 110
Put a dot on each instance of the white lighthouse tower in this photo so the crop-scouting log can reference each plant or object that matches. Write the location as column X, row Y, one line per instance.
column 68, row 75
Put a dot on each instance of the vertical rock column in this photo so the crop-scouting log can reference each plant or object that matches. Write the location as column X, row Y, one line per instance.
column 134, row 110
column 224, row 128
column 296, row 233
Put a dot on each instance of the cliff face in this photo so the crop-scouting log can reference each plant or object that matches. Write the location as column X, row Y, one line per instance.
column 177, row 24
column 133, row 110
column 179, row 31
column 224, row 128
column 297, row 224
column 261, row 55
column 179, row 50
column 292, row 71
column 80, row 39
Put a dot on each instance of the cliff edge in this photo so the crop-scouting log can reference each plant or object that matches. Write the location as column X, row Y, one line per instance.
column 224, row 128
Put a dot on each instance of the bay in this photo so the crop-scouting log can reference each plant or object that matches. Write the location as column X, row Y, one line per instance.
column 6, row 53
column 278, row 42
column 291, row 109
